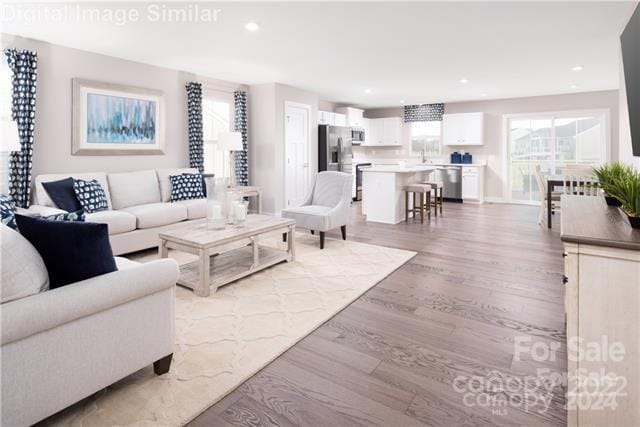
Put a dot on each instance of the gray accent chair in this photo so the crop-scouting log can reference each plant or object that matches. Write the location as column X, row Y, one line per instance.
column 326, row 206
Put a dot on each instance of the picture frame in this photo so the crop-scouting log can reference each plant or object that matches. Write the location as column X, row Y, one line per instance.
column 117, row 120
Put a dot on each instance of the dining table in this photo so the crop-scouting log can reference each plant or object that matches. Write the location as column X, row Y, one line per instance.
column 554, row 181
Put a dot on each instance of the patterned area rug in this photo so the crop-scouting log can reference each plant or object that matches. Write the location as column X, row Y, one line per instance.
column 224, row 339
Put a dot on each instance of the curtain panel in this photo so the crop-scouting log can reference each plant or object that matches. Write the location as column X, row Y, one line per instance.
column 241, row 157
column 24, row 66
column 423, row 113
column 194, row 114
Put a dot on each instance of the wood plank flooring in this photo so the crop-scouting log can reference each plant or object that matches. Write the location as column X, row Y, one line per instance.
column 484, row 276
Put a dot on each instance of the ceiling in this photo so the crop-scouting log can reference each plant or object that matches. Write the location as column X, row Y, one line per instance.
column 415, row 52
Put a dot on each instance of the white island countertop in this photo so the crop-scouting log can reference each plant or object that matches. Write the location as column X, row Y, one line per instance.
column 400, row 169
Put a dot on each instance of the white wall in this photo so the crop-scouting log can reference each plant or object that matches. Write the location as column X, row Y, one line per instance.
column 266, row 138
column 492, row 150
column 57, row 65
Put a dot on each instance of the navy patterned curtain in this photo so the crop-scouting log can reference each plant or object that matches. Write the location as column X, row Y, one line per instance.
column 423, row 113
column 241, row 157
column 24, row 65
column 194, row 113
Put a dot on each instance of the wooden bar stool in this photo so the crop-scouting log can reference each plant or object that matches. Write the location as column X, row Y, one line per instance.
column 421, row 195
column 437, row 198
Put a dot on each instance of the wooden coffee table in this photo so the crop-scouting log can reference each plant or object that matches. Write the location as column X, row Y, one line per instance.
column 219, row 265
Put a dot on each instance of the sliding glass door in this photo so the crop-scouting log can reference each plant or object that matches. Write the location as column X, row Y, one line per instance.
column 552, row 141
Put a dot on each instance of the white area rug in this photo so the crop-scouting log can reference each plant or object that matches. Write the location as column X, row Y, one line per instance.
column 224, row 339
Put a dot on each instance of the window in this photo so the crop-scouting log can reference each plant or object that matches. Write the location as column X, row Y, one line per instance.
column 426, row 137
column 552, row 142
column 216, row 117
column 5, row 113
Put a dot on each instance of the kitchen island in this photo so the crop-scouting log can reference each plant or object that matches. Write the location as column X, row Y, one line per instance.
column 382, row 190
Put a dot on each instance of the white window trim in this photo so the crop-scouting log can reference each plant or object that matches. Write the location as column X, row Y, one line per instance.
column 605, row 113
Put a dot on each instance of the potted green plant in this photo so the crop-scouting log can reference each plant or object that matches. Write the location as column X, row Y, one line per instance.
column 607, row 175
column 626, row 189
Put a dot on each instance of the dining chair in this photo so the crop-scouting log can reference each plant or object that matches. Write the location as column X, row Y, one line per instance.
column 580, row 180
column 542, row 186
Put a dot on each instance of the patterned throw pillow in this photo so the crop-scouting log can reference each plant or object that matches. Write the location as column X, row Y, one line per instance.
column 90, row 195
column 7, row 211
column 186, row 187
column 77, row 216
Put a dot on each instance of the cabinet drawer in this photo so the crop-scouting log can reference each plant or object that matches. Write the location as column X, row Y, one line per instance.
column 469, row 170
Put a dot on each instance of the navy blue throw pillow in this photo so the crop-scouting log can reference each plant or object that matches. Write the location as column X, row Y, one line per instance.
column 186, row 187
column 62, row 194
column 71, row 251
column 7, row 211
column 91, row 195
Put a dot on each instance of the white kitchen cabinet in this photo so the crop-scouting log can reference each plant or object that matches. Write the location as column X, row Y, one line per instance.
column 354, row 116
column 326, row 118
column 392, row 130
column 463, row 129
column 473, row 184
column 384, row 132
column 376, row 132
column 339, row 119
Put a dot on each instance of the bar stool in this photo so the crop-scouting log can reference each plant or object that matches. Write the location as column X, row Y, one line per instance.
column 436, row 200
column 419, row 192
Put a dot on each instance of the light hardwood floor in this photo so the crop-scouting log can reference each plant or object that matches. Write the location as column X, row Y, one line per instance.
column 484, row 275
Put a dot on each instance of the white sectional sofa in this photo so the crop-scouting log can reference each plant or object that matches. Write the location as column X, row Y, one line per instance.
column 139, row 206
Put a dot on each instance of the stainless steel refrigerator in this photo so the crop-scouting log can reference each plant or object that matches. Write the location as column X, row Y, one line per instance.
column 335, row 149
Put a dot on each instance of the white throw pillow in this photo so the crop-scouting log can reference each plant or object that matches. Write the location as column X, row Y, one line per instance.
column 23, row 271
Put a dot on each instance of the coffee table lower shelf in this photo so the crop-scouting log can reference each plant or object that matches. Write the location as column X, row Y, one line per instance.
column 231, row 266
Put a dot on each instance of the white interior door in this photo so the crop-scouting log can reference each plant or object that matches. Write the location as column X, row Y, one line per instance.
column 297, row 142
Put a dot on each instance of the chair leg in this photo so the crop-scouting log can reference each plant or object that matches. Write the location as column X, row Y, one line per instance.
column 435, row 201
column 313, row 232
column 162, row 366
column 343, row 230
column 441, row 200
column 406, row 206
column 322, row 240
column 428, row 195
column 421, row 208
column 284, row 237
column 541, row 212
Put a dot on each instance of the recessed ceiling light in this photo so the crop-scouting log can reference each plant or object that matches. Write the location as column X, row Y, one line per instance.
column 484, row 95
column 367, row 91
column 577, row 68
column 464, row 81
column 402, row 101
column 574, row 86
column 252, row 26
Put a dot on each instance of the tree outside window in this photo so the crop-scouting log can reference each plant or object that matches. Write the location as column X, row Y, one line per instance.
column 426, row 137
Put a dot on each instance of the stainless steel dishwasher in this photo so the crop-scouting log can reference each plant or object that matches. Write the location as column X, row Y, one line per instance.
column 451, row 177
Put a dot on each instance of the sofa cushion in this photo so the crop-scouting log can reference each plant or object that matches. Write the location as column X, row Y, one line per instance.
column 125, row 264
column 157, row 214
column 311, row 217
column 66, row 216
column 117, row 221
column 42, row 197
column 62, row 194
column 91, row 195
column 196, row 208
column 133, row 188
column 187, row 186
column 7, row 211
column 165, row 183
column 23, row 270
column 71, row 251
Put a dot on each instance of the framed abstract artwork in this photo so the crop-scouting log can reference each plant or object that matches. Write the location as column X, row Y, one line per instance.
column 115, row 120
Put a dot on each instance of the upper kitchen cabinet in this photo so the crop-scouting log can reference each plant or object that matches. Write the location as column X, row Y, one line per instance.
column 339, row 119
column 354, row 116
column 463, row 129
column 384, row 132
column 326, row 118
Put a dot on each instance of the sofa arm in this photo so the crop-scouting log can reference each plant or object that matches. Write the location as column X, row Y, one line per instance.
column 39, row 210
column 28, row 316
